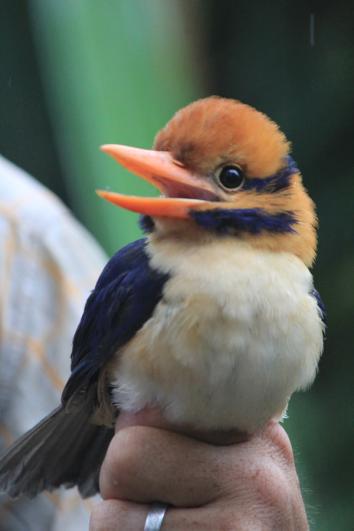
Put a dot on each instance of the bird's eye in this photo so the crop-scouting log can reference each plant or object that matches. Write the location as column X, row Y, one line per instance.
column 230, row 178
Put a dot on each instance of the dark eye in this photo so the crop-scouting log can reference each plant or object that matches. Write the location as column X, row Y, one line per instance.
column 230, row 178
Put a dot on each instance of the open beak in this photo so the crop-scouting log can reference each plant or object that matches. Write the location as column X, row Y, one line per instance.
column 181, row 190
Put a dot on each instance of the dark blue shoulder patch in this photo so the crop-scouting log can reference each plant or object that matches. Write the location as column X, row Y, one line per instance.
column 320, row 305
column 124, row 298
column 146, row 224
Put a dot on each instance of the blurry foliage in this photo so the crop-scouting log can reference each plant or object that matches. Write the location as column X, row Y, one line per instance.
column 115, row 71
column 25, row 131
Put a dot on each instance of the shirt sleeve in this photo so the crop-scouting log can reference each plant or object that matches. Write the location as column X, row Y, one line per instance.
column 48, row 265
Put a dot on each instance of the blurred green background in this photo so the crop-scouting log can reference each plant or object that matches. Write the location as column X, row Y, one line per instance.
column 77, row 74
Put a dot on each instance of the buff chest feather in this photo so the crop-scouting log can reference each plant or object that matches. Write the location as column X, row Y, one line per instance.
column 236, row 332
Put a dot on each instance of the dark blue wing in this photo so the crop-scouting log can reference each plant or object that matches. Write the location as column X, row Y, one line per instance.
column 124, row 297
column 320, row 305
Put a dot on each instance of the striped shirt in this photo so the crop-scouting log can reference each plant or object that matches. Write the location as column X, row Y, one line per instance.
column 48, row 264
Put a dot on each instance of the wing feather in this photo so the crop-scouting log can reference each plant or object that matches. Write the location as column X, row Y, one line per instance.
column 124, row 298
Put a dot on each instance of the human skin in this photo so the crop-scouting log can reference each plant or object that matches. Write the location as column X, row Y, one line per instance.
column 250, row 484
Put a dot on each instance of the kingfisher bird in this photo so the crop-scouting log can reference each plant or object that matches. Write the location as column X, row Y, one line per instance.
column 212, row 317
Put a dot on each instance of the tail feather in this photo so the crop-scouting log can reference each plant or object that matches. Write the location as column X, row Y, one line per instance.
column 63, row 449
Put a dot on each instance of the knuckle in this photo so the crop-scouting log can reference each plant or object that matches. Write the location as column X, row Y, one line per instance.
column 278, row 497
column 95, row 519
column 121, row 452
column 280, row 441
column 123, row 458
column 227, row 520
column 109, row 515
column 271, row 486
column 226, row 524
column 99, row 517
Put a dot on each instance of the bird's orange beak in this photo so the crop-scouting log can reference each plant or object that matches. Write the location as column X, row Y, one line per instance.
column 182, row 191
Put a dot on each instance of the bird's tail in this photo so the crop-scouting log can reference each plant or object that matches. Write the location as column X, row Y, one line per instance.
column 63, row 449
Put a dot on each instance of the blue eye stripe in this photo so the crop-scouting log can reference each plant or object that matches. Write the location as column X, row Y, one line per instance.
column 274, row 183
column 245, row 220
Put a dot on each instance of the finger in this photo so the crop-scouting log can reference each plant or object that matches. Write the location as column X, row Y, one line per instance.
column 145, row 464
column 153, row 417
column 116, row 515
column 279, row 441
column 149, row 416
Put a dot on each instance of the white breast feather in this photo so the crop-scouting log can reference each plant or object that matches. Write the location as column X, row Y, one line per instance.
column 236, row 332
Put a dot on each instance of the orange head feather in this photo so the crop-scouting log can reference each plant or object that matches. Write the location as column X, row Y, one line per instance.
column 215, row 131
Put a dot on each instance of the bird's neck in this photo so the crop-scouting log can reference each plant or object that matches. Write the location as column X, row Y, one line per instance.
column 184, row 230
column 186, row 233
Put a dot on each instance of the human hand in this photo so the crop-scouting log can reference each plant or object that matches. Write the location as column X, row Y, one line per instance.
column 251, row 485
